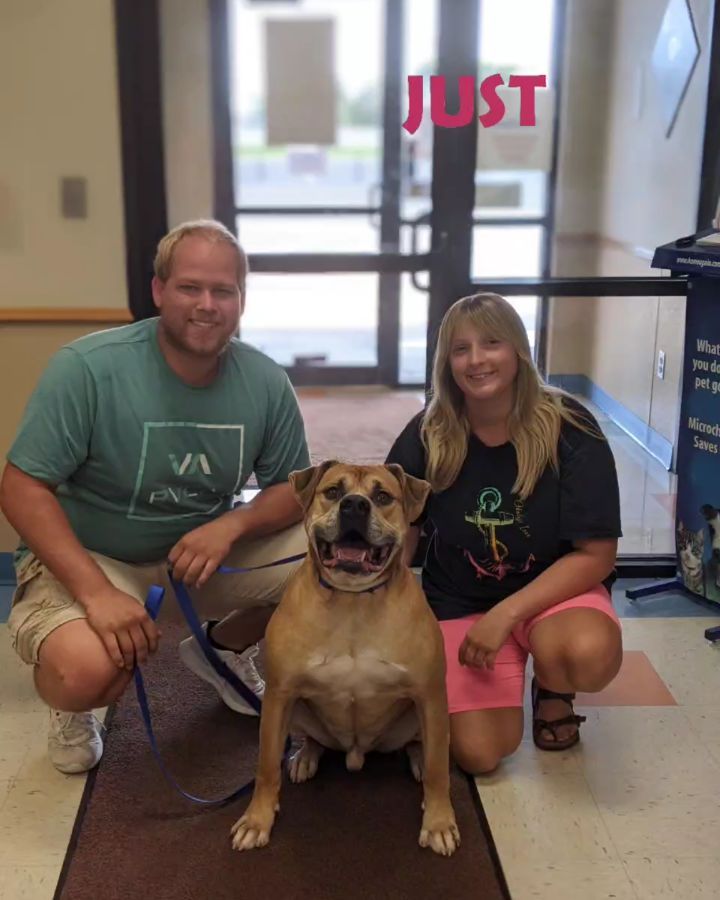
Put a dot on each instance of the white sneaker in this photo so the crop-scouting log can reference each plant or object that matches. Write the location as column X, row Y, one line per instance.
column 74, row 741
column 242, row 664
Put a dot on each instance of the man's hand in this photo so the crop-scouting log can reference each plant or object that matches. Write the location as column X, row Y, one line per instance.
column 123, row 625
column 485, row 638
column 198, row 554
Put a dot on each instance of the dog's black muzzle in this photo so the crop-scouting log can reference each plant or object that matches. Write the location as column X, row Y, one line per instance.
column 354, row 514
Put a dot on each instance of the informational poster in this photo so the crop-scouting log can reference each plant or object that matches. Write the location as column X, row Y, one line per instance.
column 510, row 145
column 697, row 525
column 698, row 501
column 300, row 81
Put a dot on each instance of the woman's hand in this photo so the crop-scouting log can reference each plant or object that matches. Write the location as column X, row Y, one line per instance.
column 485, row 638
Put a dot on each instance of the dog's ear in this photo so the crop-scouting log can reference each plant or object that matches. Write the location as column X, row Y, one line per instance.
column 304, row 481
column 414, row 491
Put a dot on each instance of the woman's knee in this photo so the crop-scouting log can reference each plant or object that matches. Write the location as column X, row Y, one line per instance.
column 585, row 658
column 477, row 760
column 593, row 660
column 481, row 757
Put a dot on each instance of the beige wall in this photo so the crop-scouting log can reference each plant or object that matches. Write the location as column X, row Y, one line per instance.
column 650, row 181
column 187, row 123
column 583, row 116
column 59, row 115
column 624, row 188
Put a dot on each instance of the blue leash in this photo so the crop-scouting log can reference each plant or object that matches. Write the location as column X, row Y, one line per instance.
column 153, row 603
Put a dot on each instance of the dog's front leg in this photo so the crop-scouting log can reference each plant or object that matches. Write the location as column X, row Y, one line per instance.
column 439, row 830
column 254, row 827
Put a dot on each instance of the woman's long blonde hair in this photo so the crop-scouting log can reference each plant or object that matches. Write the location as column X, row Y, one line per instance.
column 538, row 409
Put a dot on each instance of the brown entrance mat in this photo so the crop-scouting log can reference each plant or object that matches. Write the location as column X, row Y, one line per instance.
column 341, row 835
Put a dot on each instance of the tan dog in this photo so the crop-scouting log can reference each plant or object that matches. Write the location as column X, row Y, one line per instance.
column 354, row 656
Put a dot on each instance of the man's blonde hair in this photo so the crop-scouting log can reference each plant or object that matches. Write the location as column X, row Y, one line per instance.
column 208, row 229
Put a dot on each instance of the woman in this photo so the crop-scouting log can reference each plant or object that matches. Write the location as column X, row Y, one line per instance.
column 523, row 522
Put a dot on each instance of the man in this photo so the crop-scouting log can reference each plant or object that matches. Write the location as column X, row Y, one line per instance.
column 130, row 453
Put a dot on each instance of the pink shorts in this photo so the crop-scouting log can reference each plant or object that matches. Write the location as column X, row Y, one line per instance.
column 504, row 686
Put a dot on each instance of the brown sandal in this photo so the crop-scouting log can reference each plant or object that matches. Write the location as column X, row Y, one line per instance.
column 540, row 725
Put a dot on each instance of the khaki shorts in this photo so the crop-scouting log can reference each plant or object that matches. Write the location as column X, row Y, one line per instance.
column 41, row 604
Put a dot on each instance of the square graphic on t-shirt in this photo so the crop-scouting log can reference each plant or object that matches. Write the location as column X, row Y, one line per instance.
column 186, row 469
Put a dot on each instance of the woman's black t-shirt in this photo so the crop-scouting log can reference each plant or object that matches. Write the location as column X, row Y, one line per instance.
column 484, row 542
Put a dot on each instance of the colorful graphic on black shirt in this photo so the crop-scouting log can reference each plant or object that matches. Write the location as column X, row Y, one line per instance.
column 490, row 519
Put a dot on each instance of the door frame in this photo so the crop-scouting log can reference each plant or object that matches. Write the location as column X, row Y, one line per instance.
column 137, row 47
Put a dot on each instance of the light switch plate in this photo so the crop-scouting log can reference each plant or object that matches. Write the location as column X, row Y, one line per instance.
column 661, row 364
column 73, row 197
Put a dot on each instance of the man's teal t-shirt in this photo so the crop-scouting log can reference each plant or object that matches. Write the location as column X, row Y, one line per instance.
column 141, row 458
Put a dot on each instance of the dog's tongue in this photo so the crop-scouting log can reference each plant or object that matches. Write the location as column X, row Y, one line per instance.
column 350, row 554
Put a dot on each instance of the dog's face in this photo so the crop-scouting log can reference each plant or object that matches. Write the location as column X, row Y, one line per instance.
column 356, row 518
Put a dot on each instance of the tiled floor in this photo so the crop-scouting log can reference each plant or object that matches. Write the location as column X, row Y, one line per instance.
column 630, row 813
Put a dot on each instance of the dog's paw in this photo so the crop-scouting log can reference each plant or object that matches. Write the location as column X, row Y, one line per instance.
column 252, row 830
column 303, row 764
column 414, row 751
column 440, row 833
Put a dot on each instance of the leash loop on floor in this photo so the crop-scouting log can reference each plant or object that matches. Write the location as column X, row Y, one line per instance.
column 153, row 603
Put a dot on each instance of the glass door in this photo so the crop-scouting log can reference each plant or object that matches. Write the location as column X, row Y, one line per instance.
column 316, row 158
